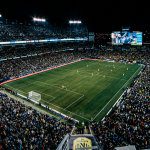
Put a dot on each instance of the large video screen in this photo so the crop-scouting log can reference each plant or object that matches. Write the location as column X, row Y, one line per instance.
column 116, row 38
column 126, row 37
column 137, row 38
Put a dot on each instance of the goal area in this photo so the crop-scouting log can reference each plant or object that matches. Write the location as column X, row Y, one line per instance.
column 34, row 96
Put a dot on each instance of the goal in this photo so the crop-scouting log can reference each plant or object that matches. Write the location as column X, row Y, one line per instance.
column 34, row 96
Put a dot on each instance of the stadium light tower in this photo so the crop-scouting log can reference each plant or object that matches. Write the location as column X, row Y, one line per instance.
column 35, row 19
column 75, row 21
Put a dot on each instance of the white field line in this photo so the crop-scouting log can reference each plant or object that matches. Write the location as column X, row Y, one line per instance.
column 60, row 88
column 43, row 92
column 56, row 106
column 115, row 95
column 82, row 95
column 67, row 110
column 74, row 102
column 48, row 95
column 119, row 99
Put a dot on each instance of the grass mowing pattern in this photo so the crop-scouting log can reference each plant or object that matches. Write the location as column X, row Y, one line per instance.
column 84, row 90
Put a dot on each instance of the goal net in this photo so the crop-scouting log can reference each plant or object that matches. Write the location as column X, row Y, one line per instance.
column 34, row 96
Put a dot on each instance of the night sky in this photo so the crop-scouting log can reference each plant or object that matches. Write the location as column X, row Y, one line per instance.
column 99, row 16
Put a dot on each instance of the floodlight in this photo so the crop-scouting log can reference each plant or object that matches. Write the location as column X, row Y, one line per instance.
column 75, row 22
column 39, row 19
column 0, row 15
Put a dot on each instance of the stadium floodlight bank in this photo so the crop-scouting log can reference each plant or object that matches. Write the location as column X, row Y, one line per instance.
column 39, row 19
column 34, row 96
column 0, row 15
column 75, row 22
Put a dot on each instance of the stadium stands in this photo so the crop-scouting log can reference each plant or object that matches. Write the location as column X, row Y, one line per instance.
column 19, row 67
column 25, row 128
column 12, row 31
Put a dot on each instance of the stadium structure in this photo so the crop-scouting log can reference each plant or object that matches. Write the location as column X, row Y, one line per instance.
column 70, row 89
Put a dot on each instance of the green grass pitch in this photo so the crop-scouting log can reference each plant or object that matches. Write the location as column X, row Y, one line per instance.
column 84, row 90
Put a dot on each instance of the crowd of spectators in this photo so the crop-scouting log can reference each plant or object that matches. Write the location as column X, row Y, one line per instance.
column 129, row 123
column 13, row 68
column 10, row 52
column 10, row 31
column 22, row 127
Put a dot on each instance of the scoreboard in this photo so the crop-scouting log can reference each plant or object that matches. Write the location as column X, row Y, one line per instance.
column 126, row 37
column 137, row 38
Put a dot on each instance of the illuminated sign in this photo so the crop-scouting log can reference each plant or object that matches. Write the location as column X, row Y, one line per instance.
column 82, row 143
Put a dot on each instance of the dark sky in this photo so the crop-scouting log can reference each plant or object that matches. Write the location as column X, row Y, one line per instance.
column 101, row 15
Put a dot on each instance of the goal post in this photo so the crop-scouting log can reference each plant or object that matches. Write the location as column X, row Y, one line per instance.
column 34, row 96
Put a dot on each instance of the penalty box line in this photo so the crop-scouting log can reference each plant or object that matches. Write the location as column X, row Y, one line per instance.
column 74, row 102
column 67, row 110
column 60, row 88
column 48, row 95
column 82, row 95
column 55, row 105
column 44, row 93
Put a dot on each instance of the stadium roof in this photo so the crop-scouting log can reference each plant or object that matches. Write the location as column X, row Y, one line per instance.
column 99, row 15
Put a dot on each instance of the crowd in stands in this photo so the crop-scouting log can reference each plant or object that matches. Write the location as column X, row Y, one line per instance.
column 10, row 52
column 22, row 127
column 10, row 31
column 129, row 123
column 20, row 67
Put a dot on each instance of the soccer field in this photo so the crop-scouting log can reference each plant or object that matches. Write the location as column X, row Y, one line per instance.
column 84, row 90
